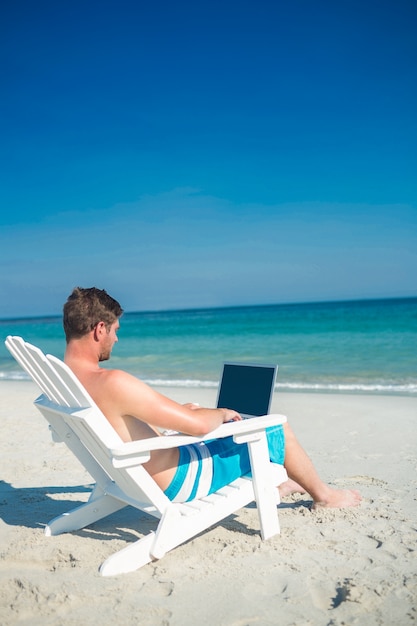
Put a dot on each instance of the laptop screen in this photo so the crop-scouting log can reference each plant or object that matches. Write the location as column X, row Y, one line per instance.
column 247, row 388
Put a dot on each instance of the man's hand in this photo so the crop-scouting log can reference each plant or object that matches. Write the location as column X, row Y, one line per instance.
column 231, row 416
column 228, row 414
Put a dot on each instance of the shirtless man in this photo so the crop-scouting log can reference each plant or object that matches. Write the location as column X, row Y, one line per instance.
column 136, row 411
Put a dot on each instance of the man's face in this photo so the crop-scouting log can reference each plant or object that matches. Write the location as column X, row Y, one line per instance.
column 108, row 341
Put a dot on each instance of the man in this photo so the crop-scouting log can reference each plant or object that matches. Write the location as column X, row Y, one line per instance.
column 136, row 411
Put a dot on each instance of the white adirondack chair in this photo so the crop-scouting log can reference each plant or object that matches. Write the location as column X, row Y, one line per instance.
column 119, row 475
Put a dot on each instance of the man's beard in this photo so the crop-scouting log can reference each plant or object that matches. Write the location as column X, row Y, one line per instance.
column 104, row 356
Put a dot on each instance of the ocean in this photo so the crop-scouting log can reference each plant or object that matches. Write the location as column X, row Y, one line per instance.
column 367, row 346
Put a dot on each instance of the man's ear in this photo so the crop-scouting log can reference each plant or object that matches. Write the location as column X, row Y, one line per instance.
column 98, row 330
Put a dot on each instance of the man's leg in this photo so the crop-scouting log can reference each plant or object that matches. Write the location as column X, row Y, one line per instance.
column 302, row 473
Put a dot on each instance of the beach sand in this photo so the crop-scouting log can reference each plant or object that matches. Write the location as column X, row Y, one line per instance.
column 339, row 567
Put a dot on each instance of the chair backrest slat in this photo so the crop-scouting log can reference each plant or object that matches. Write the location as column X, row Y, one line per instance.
column 35, row 363
column 70, row 381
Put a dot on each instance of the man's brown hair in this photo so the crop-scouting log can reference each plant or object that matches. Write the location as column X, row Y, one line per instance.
column 85, row 308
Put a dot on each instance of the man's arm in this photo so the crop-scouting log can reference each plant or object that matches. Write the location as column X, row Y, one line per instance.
column 129, row 396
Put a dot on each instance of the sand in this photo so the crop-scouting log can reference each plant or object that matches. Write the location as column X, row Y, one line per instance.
column 330, row 567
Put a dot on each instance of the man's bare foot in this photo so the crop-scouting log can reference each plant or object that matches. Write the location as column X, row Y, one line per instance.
column 339, row 499
column 289, row 487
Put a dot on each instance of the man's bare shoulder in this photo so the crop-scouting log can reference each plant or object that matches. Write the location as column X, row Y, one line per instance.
column 127, row 395
column 116, row 375
column 121, row 380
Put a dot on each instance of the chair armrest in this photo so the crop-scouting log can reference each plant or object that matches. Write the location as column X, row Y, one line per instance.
column 137, row 452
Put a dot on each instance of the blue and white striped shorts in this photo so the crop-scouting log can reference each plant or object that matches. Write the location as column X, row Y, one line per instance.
column 207, row 466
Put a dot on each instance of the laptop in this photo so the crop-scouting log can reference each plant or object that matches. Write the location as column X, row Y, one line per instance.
column 247, row 388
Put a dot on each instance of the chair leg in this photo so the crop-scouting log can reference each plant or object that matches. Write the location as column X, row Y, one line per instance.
column 265, row 491
column 84, row 515
column 130, row 558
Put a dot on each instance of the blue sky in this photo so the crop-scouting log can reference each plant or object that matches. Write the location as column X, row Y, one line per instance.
column 207, row 153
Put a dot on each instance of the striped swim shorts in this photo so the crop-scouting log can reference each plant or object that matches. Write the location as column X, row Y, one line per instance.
column 207, row 466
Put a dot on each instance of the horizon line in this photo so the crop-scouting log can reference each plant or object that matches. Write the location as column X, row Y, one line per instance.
column 229, row 306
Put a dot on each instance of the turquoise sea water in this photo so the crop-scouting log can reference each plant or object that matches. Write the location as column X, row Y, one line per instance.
column 358, row 346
